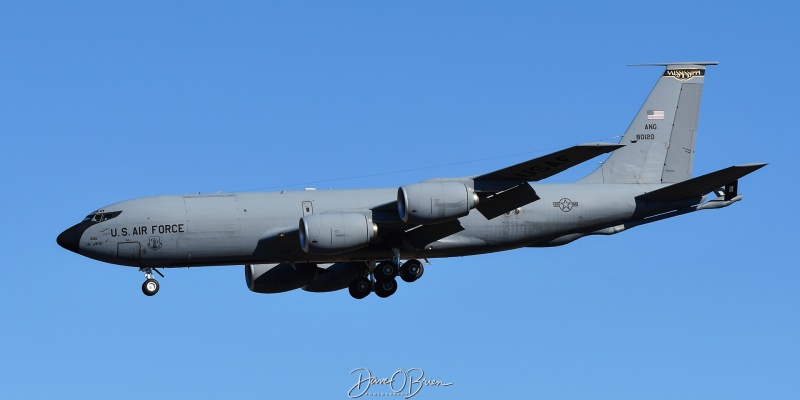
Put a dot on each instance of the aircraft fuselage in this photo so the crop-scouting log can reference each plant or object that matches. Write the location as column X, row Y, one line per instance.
column 241, row 228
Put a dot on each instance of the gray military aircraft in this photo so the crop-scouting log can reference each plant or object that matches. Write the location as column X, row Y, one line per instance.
column 323, row 241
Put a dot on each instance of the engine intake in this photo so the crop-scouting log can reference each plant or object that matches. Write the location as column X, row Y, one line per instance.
column 434, row 202
column 329, row 234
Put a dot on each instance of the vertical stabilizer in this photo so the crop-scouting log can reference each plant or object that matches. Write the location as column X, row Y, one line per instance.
column 659, row 143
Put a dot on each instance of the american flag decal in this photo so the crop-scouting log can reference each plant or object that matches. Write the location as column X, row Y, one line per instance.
column 655, row 114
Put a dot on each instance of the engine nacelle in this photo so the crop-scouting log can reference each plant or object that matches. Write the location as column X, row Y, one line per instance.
column 277, row 278
column 328, row 234
column 434, row 202
column 336, row 276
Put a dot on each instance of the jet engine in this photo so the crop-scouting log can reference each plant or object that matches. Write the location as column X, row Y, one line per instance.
column 336, row 276
column 434, row 202
column 328, row 234
column 277, row 278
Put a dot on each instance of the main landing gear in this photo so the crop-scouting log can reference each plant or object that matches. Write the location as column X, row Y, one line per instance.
column 381, row 278
column 150, row 286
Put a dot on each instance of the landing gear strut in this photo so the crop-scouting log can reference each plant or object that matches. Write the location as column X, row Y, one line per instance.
column 150, row 286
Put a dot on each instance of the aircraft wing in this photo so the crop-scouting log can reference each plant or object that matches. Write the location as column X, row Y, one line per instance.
column 507, row 189
column 551, row 164
column 500, row 192
column 702, row 185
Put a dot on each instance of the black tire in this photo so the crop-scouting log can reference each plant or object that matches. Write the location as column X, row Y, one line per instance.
column 385, row 271
column 386, row 288
column 360, row 288
column 411, row 270
column 150, row 287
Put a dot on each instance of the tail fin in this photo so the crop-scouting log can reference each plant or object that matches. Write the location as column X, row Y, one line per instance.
column 659, row 143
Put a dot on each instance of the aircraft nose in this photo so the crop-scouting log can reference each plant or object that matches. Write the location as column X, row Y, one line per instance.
column 70, row 239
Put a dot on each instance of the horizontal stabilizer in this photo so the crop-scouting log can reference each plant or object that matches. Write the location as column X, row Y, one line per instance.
column 700, row 186
column 551, row 164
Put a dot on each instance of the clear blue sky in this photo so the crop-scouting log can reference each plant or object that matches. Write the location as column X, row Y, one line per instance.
column 101, row 103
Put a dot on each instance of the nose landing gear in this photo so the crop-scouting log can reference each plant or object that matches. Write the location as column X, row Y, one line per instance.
column 150, row 286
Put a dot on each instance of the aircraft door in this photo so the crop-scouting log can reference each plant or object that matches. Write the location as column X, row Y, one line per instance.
column 129, row 250
column 308, row 208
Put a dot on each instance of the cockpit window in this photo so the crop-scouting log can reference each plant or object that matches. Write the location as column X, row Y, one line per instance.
column 101, row 216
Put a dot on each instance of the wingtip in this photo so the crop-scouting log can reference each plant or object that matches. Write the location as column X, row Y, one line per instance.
column 753, row 166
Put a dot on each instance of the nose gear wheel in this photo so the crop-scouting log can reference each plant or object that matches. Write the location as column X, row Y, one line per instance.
column 150, row 286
